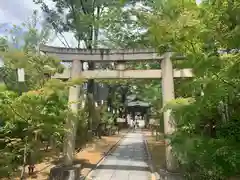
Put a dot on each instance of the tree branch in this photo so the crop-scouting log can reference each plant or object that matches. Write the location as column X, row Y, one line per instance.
column 226, row 82
column 83, row 8
column 64, row 39
column 61, row 40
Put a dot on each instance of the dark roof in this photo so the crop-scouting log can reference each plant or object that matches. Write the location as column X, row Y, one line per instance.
column 134, row 101
column 138, row 103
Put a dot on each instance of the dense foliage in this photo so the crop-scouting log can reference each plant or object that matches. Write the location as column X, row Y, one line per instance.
column 207, row 109
column 28, row 122
column 206, row 141
column 32, row 112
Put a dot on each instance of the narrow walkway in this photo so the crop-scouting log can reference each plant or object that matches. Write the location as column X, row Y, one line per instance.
column 127, row 162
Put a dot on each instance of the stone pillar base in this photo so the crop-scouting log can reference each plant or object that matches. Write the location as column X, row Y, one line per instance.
column 65, row 172
column 166, row 175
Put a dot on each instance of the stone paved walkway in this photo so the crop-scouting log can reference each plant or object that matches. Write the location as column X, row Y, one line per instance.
column 127, row 162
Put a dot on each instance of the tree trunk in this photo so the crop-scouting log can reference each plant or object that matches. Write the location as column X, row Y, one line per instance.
column 24, row 161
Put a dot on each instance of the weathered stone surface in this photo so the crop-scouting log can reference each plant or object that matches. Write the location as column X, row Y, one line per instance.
column 65, row 173
column 47, row 49
column 127, row 162
column 103, row 55
column 126, row 74
column 166, row 175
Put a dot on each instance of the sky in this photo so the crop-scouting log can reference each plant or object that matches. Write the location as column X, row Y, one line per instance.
column 15, row 11
column 18, row 11
column 198, row 1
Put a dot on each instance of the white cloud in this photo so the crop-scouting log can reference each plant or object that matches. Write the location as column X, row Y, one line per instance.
column 18, row 11
column 198, row 2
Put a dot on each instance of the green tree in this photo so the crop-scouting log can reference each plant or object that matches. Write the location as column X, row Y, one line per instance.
column 26, row 38
column 29, row 120
column 205, row 141
column 34, row 114
column 82, row 19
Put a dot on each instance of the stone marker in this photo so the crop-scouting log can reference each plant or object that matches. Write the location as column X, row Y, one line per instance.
column 65, row 173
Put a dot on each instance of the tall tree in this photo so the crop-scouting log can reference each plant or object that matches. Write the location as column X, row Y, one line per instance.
column 205, row 141
column 82, row 18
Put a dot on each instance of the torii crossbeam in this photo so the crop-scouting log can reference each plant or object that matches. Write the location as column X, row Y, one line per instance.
column 106, row 55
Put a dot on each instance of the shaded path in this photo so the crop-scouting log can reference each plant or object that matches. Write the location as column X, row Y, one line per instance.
column 127, row 162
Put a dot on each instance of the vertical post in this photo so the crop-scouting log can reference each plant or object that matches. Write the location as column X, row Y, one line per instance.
column 168, row 95
column 71, row 121
column 120, row 67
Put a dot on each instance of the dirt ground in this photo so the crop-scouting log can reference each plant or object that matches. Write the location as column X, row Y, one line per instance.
column 88, row 157
column 156, row 148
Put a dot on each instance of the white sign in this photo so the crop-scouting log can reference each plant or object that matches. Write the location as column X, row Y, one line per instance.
column 120, row 120
column 21, row 75
column 1, row 62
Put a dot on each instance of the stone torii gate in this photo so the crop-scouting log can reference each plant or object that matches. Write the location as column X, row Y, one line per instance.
column 166, row 73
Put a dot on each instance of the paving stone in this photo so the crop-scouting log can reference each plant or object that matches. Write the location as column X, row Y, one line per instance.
column 127, row 162
column 120, row 174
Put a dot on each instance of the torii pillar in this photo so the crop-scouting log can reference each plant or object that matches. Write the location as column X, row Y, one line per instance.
column 71, row 122
column 170, row 173
column 69, row 171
